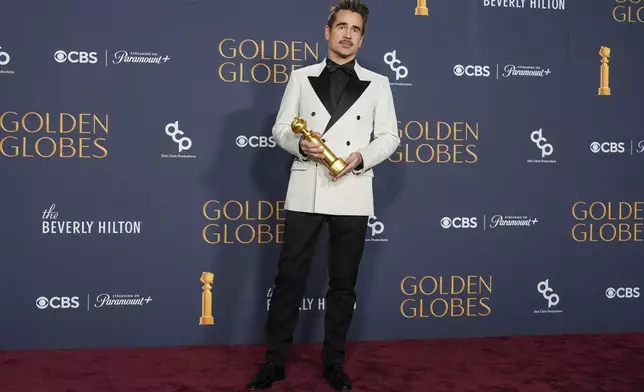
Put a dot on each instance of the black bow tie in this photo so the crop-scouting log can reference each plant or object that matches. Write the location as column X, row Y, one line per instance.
column 347, row 68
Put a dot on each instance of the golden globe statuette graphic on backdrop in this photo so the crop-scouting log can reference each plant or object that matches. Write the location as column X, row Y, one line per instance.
column 604, row 86
column 421, row 8
column 335, row 164
column 206, row 299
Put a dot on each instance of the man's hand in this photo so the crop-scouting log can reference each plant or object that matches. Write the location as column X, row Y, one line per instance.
column 310, row 148
column 352, row 162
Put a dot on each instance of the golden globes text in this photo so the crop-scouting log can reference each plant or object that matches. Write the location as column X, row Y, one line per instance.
column 243, row 222
column 259, row 61
column 438, row 142
column 628, row 11
column 446, row 296
column 48, row 135
column 609, row 221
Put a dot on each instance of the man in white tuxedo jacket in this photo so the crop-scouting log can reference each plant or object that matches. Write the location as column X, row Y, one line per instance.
column 345, row 105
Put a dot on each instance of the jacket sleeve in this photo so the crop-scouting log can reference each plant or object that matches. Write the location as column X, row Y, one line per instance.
column 289, row 109
column 385, row 128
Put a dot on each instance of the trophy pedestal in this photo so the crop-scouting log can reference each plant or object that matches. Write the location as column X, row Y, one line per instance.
column 421, row 8
column 336, row 167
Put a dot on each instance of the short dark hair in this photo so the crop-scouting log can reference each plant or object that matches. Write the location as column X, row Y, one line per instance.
column 351, row 5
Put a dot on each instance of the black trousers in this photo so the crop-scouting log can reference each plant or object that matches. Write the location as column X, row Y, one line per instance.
column 346, row 245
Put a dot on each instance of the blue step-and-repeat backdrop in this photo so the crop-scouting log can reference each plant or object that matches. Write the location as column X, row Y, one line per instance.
column 142, row 192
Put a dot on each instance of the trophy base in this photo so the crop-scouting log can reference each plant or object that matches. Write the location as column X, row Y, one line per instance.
column 336, row 167
column 604, row 91
column 423, row 11
column 207, row 320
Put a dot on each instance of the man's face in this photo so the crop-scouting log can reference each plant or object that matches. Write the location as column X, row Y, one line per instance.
column 345, row 37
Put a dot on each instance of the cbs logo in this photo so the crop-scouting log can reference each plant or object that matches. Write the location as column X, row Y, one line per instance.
column 472, row 70
column 623, row 292
column 459, row 223
column 76, row 57
column 57, row 302
column 607, row 147
column 255, row 141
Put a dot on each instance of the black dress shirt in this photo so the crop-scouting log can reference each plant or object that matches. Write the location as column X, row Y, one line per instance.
column 338, row 78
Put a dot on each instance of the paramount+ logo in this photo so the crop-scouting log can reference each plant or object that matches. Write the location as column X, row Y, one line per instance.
column 58, row 303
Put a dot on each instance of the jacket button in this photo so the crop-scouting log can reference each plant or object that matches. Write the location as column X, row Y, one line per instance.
column 313, row 114
column 358, row 117
column 348, row 143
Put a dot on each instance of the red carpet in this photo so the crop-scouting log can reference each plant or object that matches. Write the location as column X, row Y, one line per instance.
column 571, row 363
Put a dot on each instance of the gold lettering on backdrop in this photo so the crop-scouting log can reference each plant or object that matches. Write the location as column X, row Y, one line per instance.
column 453, row 296
column 439, row 142
column 243, row 222
column 609, row 221
column 629, row 11
column 46, row 135
column 252, row 61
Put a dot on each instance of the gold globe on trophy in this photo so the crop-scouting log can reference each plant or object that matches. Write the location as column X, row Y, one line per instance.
column 335, row 164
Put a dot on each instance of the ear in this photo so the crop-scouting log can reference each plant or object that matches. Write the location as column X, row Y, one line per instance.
column 327, row 32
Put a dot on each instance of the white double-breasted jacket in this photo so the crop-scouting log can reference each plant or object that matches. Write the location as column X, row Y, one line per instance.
column 366, row 109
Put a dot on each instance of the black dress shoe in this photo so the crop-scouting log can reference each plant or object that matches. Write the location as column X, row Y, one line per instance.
column 268, row 374
column 337, row 377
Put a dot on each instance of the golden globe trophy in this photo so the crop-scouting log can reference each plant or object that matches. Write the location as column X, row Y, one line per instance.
column 604, row 88
column 335, row 164
column 206, row 299
column 421, row 8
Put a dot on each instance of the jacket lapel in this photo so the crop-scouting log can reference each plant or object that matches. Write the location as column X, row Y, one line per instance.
column 353, row 91
column 321, row 87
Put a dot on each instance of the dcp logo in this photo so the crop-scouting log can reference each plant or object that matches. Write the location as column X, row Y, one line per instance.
column 459, row 223
column 607, row 147
column 4, row 57
column 540, row 141
column 623, row 292
column 255, row 141
column 390, row 59
column 57, row 302
column 544, row 289
column 184, row 143
column 377, row 227
column 76, row 57
column 472, row 70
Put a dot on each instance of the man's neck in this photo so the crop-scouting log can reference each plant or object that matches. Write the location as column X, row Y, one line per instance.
column 339, row 60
